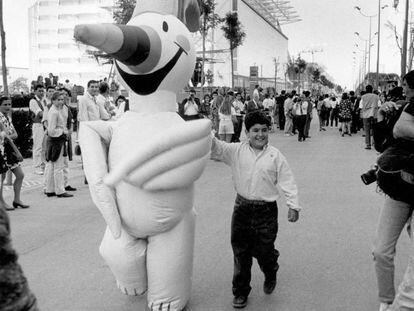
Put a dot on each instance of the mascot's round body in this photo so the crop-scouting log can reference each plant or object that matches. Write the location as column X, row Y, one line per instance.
column 141, row 168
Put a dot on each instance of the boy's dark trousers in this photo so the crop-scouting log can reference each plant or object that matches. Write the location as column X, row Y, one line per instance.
column 254, row 229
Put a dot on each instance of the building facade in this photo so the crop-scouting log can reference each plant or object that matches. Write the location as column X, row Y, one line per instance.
column 265, row 46
column 52, row 47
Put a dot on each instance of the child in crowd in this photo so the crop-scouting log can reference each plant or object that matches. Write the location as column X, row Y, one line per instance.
column 257, row 169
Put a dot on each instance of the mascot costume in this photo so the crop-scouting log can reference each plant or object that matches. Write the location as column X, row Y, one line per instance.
column 141, row 168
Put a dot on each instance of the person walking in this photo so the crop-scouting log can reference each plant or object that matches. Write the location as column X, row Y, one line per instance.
column 288, row 108
column 345, row 114
column 11, row 153
column 309, row 113
column 320, row 107
column 259, row 171
column 56, row 148
column 226, row 116
column 300, row 108
column 36, row 106
column 369, row 106
column 238, row 106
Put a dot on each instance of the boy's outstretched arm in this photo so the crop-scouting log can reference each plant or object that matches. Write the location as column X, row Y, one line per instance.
column 222, row 151
column 287, row 183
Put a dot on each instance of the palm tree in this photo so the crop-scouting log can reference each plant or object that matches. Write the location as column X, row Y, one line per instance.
column 3, row 52
column 233, row 31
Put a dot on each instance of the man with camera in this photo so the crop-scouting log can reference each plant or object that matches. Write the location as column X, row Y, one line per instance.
column 190, row 107
column 392, row 134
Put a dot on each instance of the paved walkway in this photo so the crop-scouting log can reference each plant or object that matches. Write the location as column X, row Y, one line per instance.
column 325, row 264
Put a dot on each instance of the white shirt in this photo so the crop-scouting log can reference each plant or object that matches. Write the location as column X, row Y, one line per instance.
column 301, row 108
column 238, row 107
column 190, row 108
column 34, row 106
column 56, row 120
column 90, row 110
column 268, row 103
column 258, row 176
column 227, row 117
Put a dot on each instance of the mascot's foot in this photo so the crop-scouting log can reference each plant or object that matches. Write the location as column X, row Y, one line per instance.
column 130, row 290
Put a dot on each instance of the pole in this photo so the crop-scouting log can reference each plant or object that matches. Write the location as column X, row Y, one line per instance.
column 379, row 41
column 369, row 51
column 405, row 39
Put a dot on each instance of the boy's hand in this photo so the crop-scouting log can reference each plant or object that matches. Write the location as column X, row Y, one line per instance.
column 293, row 215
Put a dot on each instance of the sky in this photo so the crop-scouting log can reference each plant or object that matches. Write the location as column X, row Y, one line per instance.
column 326, row 25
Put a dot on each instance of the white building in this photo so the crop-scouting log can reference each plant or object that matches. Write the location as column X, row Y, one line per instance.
column 52, row 47
column 265, row 45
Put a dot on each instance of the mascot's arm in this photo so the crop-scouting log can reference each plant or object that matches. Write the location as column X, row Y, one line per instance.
column 171, row 160
column 94, row 139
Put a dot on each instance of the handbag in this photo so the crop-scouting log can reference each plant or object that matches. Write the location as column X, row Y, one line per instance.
column 11, row 151
column 395, row 175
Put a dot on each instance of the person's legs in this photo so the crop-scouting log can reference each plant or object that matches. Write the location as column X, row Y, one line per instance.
column 18, row 182
column 288, row 126
column 58, row 167
column 404, row 300
column 38, row 133
column 241, row 234
column 49, row 178
column 228, row 138
column 367, row 130
column 66, row 171
column 264, row 249
column 392, row 220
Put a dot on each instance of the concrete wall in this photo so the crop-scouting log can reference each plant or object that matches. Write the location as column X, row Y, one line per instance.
column 262, row 44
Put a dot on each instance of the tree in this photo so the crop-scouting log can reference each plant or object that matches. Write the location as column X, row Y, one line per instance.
column 233, row 31
column 3, row 52
column 300, row 67
column 123, row 11
column 18, row 86
column 406, row 65
column 210, row 20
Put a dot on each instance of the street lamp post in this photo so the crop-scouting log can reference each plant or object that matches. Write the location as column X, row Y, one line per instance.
column 378, row 32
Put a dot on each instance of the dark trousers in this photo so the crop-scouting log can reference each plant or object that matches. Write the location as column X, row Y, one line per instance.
column 237, row 129
column 254, row 229
column 300, row 124
column 282, row 119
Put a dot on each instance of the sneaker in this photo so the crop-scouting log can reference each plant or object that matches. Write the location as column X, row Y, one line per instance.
column 239, row 302
column 50, row 194
column 70, row 188
column 368, row 147
column 384, row 306
column 65, row 195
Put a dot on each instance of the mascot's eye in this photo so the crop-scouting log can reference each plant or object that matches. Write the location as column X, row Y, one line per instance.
column 165, row 26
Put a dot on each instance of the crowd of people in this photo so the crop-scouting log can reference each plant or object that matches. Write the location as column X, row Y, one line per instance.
column 384, row 118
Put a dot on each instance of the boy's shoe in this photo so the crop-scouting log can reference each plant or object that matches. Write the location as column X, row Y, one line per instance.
column 269, row 286
column 384, row 306
column 239, row 302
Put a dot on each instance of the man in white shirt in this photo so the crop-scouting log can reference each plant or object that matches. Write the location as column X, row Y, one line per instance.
column 89, row 109
column 369, row 107
column 287, row 107
column 103, row 99
column 37, row 105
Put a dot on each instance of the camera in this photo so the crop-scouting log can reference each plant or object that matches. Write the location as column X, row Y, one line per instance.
column 370, row 176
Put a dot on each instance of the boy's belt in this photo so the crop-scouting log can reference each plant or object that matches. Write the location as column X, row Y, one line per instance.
column 254, row 202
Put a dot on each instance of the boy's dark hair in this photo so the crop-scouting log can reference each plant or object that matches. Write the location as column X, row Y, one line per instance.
column 49, row 87
column 63, row 89
column 256, row 117
column 293, row 92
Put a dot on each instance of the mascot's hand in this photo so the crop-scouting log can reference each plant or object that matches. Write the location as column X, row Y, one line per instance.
column 94, row 139
column 172, row 159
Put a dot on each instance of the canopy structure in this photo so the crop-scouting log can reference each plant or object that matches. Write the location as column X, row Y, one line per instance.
column 276, row 12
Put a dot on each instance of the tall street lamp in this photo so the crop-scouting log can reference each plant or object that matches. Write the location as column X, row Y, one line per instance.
column 379, row 28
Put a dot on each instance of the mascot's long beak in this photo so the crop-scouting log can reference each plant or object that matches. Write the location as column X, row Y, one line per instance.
column 130, row 45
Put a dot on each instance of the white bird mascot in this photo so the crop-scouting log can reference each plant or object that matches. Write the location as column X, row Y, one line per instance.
column 141, row 168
